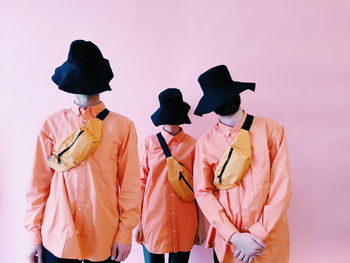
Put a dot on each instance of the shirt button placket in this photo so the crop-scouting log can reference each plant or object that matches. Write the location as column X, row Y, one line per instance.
column 173, row 208
column 173, row 221
column 245, row 216
column 80, row 198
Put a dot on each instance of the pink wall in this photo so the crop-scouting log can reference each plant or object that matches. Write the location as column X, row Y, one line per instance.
column 297, row 52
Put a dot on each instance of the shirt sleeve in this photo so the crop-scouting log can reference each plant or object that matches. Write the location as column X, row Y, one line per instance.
column 207, row 201
column 129, row 196
column 38, row 188
column 144, row 168
column 280, row 188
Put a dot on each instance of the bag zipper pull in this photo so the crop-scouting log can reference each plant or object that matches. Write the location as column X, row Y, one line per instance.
column 220, row 179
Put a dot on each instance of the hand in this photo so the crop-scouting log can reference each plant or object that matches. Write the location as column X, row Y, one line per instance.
column 242, row 257
column 35, row 254
column 203, row 226
column 247, row 245
column 201, row 235
column 138, row 234
column 120, row 252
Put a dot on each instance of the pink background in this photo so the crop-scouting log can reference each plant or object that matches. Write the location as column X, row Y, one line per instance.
column 296, row 51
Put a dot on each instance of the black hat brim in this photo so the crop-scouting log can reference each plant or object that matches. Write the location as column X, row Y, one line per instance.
column 72, row 79
column 213, row 100
column 171, row 115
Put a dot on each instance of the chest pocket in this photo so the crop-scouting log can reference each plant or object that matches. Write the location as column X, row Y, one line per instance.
column 260, row 171
column 105, row 158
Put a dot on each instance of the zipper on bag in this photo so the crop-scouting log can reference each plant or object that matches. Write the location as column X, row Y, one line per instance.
column 181, row 177
column 224, row 166
column 70, row 146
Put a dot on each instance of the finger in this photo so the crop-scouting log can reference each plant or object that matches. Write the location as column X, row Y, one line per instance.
column 120, row 257
column 200, row 240
column 245, row 259
column 250, row 259
column 40, row 258
column 259, row 241
column 126, row 255
column 258, row 250
column 123, row 255
column 240, row 256
column 139, row 235
column 114, row 252
column 32, row 258
column 255, row 243
column 258, row 253
column 237, row 252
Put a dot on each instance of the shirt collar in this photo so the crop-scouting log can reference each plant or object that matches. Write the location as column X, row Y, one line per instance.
column 232, row 130
column 94, row 110
column 169, row 137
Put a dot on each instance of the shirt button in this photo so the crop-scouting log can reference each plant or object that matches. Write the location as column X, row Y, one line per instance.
column 82, row 162
column 172, row 194
column 81, row 185
column 79, row 208
column 245, row 206
column 174, row 231
column 173, row 213
column 77, row 232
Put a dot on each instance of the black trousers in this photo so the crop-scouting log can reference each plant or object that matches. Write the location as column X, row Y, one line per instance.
column 215, row 257
column 51, row 258
column 178, row 257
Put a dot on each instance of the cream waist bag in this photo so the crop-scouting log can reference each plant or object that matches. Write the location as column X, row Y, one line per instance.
column 180, row 179
column 235, row 161
column 79, row 145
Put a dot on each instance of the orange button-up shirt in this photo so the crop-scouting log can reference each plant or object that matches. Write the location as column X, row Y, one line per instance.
column 259, row 203
column 81, row 212
column 169, row 224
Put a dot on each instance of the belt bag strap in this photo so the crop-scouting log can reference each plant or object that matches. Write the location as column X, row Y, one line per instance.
column 103, row 114
column 165, row 147
column 248, row 122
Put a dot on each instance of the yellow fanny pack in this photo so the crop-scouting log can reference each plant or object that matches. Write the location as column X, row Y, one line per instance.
column 235, row 161
column 79, row 145
column 180, row 179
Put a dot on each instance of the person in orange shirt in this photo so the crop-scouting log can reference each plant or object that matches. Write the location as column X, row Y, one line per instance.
column 87, row 212
column 248, row 220
column 169, row 224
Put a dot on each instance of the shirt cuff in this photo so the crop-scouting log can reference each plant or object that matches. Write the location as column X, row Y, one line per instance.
column 258, row 230
column 227, row 231
column 34, row 237
column 124, row 236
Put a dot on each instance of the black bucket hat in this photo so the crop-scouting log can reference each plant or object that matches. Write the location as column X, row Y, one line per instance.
column 85, row 71
column 218, row 88
column 173, row 110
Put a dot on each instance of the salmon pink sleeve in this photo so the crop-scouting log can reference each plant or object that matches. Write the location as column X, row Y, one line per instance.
column 280, row 188
column 144, row 168
column 204, row 192
column 129, row 197
column 38, row 187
